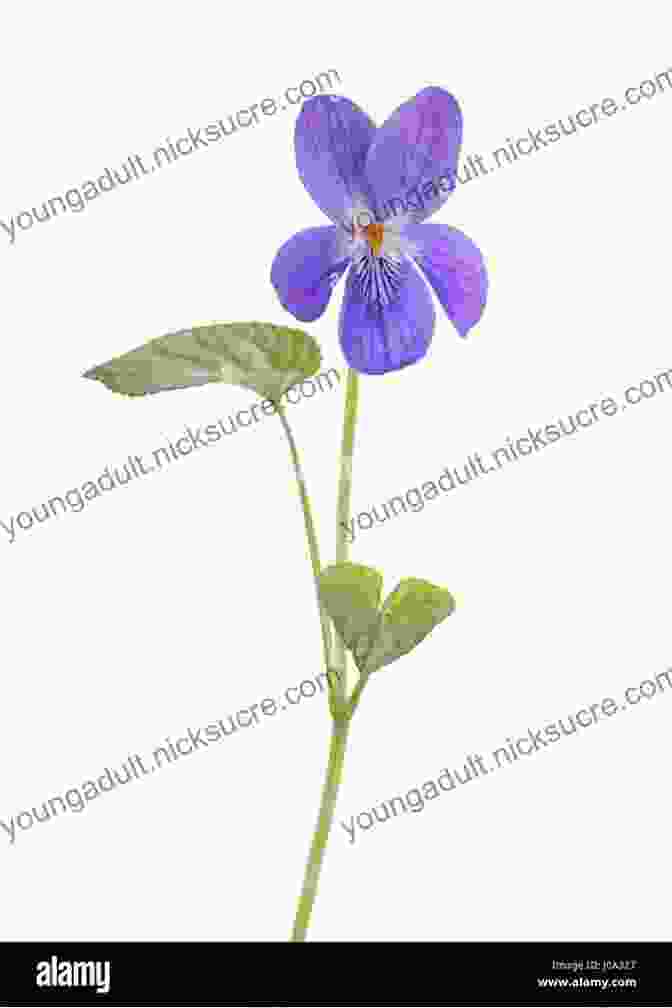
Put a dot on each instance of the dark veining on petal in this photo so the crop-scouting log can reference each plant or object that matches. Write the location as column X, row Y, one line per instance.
column 379, row 278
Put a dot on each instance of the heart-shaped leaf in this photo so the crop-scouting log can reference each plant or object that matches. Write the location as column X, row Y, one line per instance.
column 375, row 636
column 409, row 613
column 351, row 593
column 266, row 358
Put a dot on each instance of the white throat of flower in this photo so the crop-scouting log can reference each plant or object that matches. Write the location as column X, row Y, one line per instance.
column 377, row 251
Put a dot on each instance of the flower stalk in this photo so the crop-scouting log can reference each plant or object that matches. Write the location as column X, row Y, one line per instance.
column 343, row 501
column 341, row 708
column 339, row 737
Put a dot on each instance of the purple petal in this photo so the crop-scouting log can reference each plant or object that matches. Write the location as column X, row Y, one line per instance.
column 306, row 269
column 379, row 338
column 414, row 154
column 331, row 139
column 455, row 268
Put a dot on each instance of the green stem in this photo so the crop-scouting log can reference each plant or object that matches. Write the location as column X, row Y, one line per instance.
column 314, row 552
column 344, row 495
column 353, row 702
column 341, row 710
column 339, row 738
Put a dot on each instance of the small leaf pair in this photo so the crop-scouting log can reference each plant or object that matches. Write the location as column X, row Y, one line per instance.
column 375, row 635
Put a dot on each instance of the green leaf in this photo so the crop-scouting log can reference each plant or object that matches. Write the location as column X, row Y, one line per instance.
column 376, row 637
column 411, row 612
column 351, row 594
column 266, row 358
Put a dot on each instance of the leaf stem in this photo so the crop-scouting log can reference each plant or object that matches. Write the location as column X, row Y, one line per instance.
column 314, row 552
column 339, row 737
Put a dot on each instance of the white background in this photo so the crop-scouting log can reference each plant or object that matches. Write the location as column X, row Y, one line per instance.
column 187, row 594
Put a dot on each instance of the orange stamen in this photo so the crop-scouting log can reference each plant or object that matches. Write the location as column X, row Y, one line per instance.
column 374, row 236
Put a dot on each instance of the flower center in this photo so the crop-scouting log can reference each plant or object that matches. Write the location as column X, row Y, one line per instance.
column 374, row 235
column 377, row 253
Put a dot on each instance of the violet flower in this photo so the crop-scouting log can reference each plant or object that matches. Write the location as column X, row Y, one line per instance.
column 379, row 186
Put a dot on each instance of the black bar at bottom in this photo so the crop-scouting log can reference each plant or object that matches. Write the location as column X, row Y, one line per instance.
column 323, row 973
